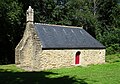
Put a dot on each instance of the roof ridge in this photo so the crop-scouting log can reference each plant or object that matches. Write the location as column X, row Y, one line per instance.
column 59, row 25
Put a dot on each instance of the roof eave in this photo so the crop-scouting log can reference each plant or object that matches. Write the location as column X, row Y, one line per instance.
column 62, row 48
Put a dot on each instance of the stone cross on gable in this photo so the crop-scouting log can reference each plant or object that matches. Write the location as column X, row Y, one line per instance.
column 30, row 15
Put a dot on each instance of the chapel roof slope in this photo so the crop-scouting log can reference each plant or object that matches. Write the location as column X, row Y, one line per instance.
column 60, row 37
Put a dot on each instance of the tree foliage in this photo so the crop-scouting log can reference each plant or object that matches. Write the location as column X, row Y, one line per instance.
column 109, row 17
column 10, row 22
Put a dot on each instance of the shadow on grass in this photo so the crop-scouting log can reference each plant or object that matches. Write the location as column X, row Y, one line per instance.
column 8, row 77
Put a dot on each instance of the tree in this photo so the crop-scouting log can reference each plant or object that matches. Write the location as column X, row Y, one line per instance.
column 108, row 15
column 10, row 19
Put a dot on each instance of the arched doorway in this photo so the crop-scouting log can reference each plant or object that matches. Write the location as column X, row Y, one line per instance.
column 77, row 57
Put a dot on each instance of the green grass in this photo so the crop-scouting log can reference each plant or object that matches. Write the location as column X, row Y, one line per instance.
column 10, row 68
column 97, row 74
column 108, row 73
column 113, row 58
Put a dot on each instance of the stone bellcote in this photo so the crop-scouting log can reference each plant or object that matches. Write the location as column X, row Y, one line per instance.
column 30, row 15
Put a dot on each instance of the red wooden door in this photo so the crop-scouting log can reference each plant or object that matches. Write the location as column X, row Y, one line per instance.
column 77, row 59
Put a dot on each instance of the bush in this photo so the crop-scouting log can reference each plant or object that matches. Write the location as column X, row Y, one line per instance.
column 112, row 58
column 115, row 48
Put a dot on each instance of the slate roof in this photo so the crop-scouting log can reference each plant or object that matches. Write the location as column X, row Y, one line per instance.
column 61, row 37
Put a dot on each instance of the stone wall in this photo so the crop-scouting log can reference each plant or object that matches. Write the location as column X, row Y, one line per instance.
column 48, row 59
column 27, row 48
column 23, row 48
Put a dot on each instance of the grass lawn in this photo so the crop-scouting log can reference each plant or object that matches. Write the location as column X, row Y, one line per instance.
column 108, row 73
